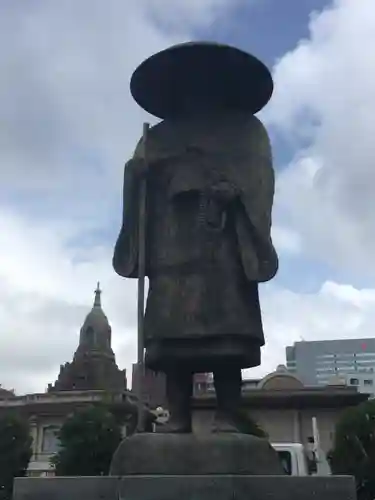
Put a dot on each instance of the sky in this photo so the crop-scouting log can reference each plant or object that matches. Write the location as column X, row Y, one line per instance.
column 68, row 124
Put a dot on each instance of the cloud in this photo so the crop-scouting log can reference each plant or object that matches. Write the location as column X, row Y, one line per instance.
column 323, row 104
column 322, row 109
column 68, row 120
column 286, row 240
column 335, row 311
column 68, row 124
column 174, row 15
column 45, row 294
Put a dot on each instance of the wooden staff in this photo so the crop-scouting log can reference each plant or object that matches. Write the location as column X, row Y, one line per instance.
column 141, row 281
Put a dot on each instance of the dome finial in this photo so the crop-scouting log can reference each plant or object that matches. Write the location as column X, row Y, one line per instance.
column 97, row 301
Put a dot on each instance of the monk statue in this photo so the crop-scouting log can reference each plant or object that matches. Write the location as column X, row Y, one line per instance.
column 210, row 187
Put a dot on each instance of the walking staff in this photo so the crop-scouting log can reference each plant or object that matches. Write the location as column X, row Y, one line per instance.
column 141, row 282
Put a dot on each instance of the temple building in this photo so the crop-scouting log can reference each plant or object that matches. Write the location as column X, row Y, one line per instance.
column 91, row 377
column 94, row 365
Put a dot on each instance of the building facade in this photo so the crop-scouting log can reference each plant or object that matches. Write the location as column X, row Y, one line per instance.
column 284, row 408
column 46, row 413
column 90, row 378
column 154, row 386
column 364, row 382
column 279, row 403
column 317, row 362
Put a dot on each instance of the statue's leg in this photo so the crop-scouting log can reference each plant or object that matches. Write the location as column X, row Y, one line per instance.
column 228, row 382
column 179, row 392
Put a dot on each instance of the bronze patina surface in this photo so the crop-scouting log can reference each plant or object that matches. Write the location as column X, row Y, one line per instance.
column 209, row 188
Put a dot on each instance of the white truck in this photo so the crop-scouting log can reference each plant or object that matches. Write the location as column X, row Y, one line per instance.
column 295, row 460
column 299, row 461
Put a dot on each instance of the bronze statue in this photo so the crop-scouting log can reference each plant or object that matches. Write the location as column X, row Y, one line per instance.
column 210, row 188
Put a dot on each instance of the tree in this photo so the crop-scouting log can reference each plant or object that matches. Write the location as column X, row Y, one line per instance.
column 88, row 439
column 354, row 447
column 15, row 452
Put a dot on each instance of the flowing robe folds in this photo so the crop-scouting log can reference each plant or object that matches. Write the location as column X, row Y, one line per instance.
column 202, row 305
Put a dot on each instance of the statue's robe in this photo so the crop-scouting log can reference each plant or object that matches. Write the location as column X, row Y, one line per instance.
column 203, row 305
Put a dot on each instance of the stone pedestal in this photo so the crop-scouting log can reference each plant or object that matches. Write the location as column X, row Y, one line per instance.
column 195, row 454
column 186, row 467
column 186, row 488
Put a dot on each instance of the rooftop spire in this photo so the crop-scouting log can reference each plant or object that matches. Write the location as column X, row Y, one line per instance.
column 97, row 301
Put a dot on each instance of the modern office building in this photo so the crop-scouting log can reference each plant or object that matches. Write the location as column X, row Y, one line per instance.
column 365, row 382
column 318, row 362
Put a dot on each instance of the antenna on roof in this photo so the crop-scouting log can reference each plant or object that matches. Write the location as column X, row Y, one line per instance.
column 97, row 302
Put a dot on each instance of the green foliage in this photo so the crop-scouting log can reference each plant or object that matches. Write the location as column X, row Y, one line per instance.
column 15, row 452
column 88, row 440
column 354, row 447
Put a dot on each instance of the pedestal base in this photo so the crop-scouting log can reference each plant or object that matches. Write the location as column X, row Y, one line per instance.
column 186, row 488
column 186, row 467
column 195, row 454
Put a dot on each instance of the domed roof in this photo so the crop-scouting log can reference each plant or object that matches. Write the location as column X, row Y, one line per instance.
column 96, row 319
column 95, row 334
column 281, row 379
column 94, row 365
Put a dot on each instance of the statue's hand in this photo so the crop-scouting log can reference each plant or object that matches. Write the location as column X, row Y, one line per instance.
column 224, row 192
column 137, row 166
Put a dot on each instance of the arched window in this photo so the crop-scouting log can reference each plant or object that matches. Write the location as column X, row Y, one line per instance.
column 89, row 335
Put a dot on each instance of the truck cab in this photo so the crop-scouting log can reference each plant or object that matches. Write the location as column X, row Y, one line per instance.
column 295, row 460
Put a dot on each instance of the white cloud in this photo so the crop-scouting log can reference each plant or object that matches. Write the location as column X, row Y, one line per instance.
column 67, row 115
column 335, row 311
column 175, row 14
column 324, row 97
column 45, row 294
column 286, row 240
column 68, row 124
